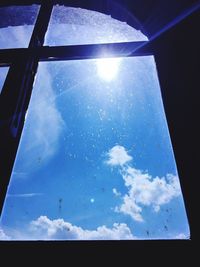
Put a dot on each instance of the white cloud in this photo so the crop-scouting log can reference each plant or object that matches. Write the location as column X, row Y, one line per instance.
column 45, row 229
column 182, row 236
column 148, row 190
column 130, row 207
column 116, row 193
column 143, row 189
column 118, row 156
column 45, row 116
column 20, row 175
column 43, row 126
column 15, row 37
column 3, row 236
column 25, row 195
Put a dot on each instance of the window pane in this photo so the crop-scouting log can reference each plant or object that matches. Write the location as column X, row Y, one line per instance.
column 70, row 26
column 95, row 159
column 16, row 25
column 3, row 73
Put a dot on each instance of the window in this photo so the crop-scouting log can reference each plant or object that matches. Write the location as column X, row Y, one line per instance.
column 16, row 25
column 91, row 26
column 95, row 159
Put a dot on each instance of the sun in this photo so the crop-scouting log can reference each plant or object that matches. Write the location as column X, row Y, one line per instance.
column 107, row 68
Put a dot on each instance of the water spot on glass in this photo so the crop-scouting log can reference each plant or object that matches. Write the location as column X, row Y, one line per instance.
column 166, row 228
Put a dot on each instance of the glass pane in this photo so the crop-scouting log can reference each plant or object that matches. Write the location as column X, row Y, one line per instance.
column 3, row 73
column 95, row 160
column 16, row 25
column 70, row 26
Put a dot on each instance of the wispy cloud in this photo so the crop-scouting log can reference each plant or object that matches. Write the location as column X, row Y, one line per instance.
column 118, row 156
column 25, row 195
column 45, row 116
column 20, row 175
column 16, row 37
column 142, row 188
column 43, row 127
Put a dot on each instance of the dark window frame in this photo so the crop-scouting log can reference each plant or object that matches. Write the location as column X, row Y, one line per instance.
column 182, row 248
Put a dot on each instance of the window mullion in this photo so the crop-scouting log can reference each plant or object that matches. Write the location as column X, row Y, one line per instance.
column 15, row 98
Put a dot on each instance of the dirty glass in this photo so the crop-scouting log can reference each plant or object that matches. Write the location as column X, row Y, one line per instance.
column 95, row 159
column 87, row 27
column 3, row 73
column 16, row 25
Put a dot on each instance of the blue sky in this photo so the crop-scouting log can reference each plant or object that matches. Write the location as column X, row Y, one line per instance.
column 17, row 37
column 95, row 159
column 3, row 73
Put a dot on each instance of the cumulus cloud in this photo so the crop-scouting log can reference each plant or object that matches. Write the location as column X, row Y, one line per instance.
column 130, row 207
column 142, row 188
column 118, row 156
column 116, row 193
column 3, row 236
column 59, row 229
column 181, row 236
column 44, row 228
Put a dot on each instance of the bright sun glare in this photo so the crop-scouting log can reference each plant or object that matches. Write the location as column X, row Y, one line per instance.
column 107, row 68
